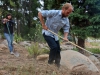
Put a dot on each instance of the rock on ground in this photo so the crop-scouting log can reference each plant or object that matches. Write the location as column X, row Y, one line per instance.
column 76, row 61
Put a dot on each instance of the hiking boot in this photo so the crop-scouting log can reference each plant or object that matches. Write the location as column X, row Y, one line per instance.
column 50, row 62
column 57, row 62
column 58, row 65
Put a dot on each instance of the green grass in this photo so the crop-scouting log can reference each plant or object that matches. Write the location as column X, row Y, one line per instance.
column 95, row 43
column 94, row 50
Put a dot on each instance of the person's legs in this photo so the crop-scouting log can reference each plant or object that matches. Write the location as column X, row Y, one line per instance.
column 9, row 38
column 58, row 56
column 53, row 48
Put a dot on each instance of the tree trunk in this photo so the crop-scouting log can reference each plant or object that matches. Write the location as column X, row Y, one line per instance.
column 81, row 43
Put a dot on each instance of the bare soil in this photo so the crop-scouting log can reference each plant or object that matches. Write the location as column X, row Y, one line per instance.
column 26, row 65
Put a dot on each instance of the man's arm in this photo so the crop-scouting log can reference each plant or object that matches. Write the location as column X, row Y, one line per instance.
column 65, row 36
column 42, row 21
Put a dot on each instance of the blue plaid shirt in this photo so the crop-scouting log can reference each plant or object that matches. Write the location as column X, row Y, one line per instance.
column 55, row 22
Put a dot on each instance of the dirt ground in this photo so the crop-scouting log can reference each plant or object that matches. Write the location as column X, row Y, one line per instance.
column 26, row 65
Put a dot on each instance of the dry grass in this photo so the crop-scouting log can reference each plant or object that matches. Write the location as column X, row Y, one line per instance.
column 24, row 65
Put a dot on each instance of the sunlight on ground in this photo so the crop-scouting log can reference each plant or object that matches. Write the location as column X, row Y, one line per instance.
column 92, row 43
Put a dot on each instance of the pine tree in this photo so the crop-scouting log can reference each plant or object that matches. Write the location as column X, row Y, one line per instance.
column 85, row 20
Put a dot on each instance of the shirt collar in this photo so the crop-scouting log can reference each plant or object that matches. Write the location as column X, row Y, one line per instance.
column 60, row 12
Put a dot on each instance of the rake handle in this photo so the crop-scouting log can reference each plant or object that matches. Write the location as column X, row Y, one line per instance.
column 70, row 42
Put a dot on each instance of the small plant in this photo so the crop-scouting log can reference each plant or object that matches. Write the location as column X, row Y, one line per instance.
column 35, row 50
column 75, row 49
column 18, row 38
column 30, row 36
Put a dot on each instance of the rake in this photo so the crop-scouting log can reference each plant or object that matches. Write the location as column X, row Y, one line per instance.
column 74, row 44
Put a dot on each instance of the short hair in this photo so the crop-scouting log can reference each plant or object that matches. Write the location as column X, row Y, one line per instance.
column 67, row 5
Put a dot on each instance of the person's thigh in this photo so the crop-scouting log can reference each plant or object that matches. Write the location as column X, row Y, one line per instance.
column 51, row 41
column 58, row 46
column 11, row 38
column 7, row 37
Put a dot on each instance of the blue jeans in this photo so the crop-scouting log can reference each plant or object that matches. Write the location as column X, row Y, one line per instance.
column 9, row 38
column 54, row 49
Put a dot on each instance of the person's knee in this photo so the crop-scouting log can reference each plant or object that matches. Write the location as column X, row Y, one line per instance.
column 9, row 41
column 54, row 47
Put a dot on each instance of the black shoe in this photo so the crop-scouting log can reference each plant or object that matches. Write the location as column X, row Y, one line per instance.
column 50, row 62
column 58, row 65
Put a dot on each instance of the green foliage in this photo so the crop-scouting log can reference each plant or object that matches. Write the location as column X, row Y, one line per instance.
column 94, row 50
column 33, row 33
column 84, row 23
column 94, row 43
column 35, row 50
column 93, row 31
column 18, row 38
column 79, row 32
column 52, row 4
column 37, row 33
column 12, row 3
column 23, row 13
column 75, row 49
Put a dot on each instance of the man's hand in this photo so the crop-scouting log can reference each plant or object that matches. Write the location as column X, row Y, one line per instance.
column 65, row 36
column 65, row 39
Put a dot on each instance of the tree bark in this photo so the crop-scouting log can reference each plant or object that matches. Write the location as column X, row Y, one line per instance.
column 81, row 43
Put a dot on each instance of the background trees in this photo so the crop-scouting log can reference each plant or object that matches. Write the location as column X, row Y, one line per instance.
column 24, row 13
column 84, row 21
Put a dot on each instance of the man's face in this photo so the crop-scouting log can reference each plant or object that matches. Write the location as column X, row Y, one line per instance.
column 65, row 12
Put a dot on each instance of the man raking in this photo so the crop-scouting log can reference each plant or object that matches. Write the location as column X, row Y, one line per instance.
column 55, row 20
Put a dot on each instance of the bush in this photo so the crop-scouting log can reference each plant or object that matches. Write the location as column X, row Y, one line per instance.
column 17, row 38
column 35, row 50
column 33, row 33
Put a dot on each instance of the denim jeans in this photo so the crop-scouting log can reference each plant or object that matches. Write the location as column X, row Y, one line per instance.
column 54, row 49
column 9, row 38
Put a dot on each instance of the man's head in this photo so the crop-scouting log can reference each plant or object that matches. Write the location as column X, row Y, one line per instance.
column 67, row 8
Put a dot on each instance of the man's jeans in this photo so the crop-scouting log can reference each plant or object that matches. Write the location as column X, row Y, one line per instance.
column 9, row 38
column 54, row 49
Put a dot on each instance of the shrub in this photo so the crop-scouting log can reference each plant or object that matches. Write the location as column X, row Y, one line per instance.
column 35, row 50
column 17, row 38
